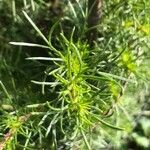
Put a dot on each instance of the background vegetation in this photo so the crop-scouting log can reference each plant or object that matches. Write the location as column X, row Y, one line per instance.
column 59, row 92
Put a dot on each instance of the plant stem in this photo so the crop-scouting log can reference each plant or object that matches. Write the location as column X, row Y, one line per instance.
column 95, row 12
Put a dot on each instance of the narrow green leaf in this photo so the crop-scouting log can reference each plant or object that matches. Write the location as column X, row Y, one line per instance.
column 36, row 105
column 14, row 9
column 28, row 44
column 50, row 43
column 75, row 133
column 60, row 78
column 65, row 39
column 37, row 113
column 5, row 91
column 54, row 138
column 54, row 71
column 35, row 27
column 115, row 76
column 73, row 10
column 107, row 124
column 33, row 5
column 56, row 109
column 54, row 120
column 81, row 8
column 85, row 139
column 44, row 58
column 25, row 3
column 27, row 140
column 44, row 118
column 45, row 83
column 62, row 116
column 96, row 108
column 94, row 77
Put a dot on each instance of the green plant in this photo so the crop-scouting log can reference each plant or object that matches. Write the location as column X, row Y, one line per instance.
column 77, row 106
column 85, row 86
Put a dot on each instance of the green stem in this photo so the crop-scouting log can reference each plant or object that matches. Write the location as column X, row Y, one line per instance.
column 85, row 139
column 5, row 91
